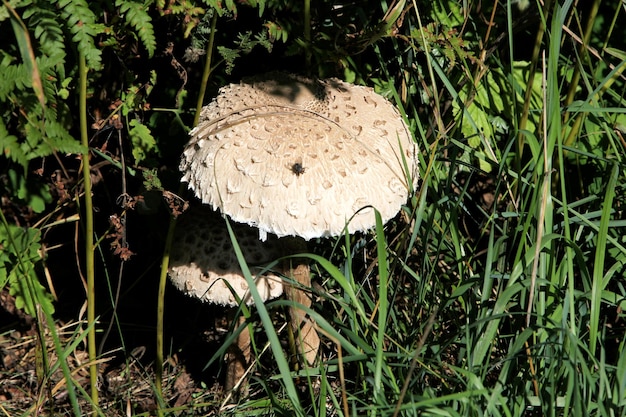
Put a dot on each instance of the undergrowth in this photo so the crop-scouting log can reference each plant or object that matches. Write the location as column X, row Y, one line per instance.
column 498, row 289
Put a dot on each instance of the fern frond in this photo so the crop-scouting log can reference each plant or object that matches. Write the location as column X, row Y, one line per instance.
column 46, row 27
column 17, row 79
column 244, row 45
column 17, row 267
column 137, row 16
column 11, row 148
column 14, row 77
column 230, row 8
column 259, row 4
column 41, row 135
column 60, row 139
column 81, row 22
column 33, row 144
column 142, row 140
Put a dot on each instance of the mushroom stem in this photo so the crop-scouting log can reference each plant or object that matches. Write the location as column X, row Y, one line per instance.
column 303, row 327
column 238, row 359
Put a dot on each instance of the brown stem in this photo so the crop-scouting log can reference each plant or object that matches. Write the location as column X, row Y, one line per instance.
column 238, row 359
column 303, row 327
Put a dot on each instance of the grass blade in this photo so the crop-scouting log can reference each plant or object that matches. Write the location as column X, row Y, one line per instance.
column 268, row 325
column 598, row 266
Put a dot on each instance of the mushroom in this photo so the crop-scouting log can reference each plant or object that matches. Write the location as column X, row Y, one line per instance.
column 204, row 265
column 294, row 156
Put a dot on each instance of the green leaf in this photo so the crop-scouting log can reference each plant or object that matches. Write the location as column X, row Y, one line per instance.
column 151, row 180
column 244, row 45
column 11, row 148
column 137, row 16
column 34, row 194
column 142, row 140
column 21, row 252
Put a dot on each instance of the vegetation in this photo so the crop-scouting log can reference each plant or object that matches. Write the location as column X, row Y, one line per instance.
column 499, row 289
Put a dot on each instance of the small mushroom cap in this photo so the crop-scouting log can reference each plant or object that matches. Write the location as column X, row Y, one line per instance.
column 203, row 263
column 300, row 157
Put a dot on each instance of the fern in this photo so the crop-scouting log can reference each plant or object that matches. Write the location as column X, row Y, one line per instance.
column 46, row 27
column 18, row 258
column 59, row 139
column 17, row 77
column 142, row 140
column 10, row 146
column 277, row 31
column 14, row 77
column 81, row 22
column 136, row 15
column 243, row 46
column 34, row 145
column 42, row 135
column 190, row 11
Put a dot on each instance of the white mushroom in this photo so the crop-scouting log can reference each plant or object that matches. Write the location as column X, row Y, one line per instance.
column 299, row 157
column 204, row 265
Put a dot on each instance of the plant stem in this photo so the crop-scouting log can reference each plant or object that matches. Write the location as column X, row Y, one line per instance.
column 170, row 232
column 307, row 341
column 161, row 311
column 207, row 69
column 307, row 32
column 88, row 224
column 529, row 84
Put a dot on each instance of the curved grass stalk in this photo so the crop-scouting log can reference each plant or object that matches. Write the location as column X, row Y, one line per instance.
column 599, row 266
column 165, row 260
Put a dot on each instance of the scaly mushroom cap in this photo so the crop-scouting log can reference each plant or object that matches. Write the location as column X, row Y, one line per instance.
column 204, row 265
column 300, row 157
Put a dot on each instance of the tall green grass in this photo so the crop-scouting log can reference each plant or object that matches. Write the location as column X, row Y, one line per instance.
column 523, row 309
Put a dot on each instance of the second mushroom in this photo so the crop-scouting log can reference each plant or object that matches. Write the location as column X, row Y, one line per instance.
column 204, row 266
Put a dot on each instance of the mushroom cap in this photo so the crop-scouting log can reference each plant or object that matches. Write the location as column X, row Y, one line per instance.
column 203, row 263
column 299, row 157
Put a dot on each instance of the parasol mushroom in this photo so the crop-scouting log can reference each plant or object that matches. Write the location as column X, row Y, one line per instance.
column 203, row 265
column 299, row 157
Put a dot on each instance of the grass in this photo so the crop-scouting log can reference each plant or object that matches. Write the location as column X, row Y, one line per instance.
column 499, row 288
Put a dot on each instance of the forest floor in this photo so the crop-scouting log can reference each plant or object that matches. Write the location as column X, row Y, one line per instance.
column 126, row 380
